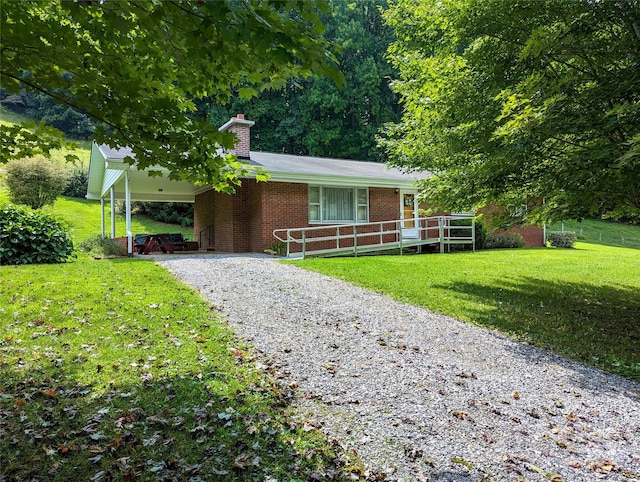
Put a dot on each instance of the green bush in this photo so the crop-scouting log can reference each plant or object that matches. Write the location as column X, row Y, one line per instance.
column 481, row 233
column 170, row 213
column 35, row 181
column 32, row 237
column 511, row 240
column 104, row 246
column 562, row 239
column 77, row 184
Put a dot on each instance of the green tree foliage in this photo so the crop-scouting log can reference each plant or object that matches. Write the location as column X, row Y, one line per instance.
column 32, row 237
column 77, row 184
column 316, row 117
column 35, row 181
column 521, row 103
column 138, row 68
column 40, row 107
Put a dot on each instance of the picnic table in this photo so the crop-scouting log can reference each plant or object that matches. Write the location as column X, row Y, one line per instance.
column 167, row 243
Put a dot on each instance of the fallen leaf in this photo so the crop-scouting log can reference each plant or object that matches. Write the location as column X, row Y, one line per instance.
column 571, row 417
column 460, row 414
column 465, row 375
column 241, row 462
column 458, row 460
column 487, row 438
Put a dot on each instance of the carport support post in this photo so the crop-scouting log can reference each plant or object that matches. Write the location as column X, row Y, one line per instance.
column 127, row 202
column 112, row 198
column 102, row 230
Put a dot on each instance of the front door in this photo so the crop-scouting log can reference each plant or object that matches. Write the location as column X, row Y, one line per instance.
column 409, row 214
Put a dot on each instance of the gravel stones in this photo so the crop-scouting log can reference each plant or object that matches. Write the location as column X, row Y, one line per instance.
column 420, row 396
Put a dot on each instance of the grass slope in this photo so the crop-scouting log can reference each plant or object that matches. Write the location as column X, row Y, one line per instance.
column 609, row 233
column 112, row 370
column 8, row 117
column 583, row 303
column 82, row 216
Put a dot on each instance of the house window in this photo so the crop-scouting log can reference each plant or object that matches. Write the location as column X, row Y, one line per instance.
column 338, row 204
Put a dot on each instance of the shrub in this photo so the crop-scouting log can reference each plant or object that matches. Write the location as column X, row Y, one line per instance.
column 35, row 181
column 104, row 246
column 77, row 184
column 170, row 213
column 481, row 233
column 562, row 239
column 511, row 240
column 32, row 237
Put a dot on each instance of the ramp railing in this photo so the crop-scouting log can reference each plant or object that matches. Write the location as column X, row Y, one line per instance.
column 326, row 240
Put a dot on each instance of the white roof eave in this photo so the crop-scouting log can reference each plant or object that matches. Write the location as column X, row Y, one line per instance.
column 349, row 181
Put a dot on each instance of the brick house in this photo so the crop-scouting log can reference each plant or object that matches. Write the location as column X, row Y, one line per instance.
column 302, row 191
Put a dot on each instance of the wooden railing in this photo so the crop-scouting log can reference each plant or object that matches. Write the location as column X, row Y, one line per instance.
column 357, row 238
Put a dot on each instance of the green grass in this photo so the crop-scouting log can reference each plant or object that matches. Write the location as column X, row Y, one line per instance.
column 609, row 233
column 82, row 216
column 112, row 370
column 583, row 303
column 8, row 117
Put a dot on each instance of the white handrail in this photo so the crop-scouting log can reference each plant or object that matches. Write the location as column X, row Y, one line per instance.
column 425, row 228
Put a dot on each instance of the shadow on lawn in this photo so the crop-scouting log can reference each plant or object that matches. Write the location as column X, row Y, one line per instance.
column 597, row 325
column 174, row 428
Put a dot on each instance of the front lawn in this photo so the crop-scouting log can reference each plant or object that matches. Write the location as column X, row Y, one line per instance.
column 583, row 303
column 112, row 370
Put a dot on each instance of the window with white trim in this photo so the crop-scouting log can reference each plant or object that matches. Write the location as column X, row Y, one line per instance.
column 332, row 204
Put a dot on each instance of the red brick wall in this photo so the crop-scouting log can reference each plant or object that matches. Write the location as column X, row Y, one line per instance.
column 203, row 215
column 244, row 222
column 532, row 235
column 284, row 205
column 384, row 204
column 223, row 222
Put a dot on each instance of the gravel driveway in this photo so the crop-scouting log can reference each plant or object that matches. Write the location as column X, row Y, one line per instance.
column 418, row 395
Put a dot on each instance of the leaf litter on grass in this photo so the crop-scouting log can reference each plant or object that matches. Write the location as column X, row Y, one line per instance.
column 113, row 377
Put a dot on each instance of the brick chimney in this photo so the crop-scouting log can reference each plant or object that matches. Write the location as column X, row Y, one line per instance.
column 242, row 129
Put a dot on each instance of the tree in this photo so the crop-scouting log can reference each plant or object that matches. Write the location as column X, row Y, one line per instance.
column 138, row 68
column 35, row 182
column 316, row 117
column 528, row 104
